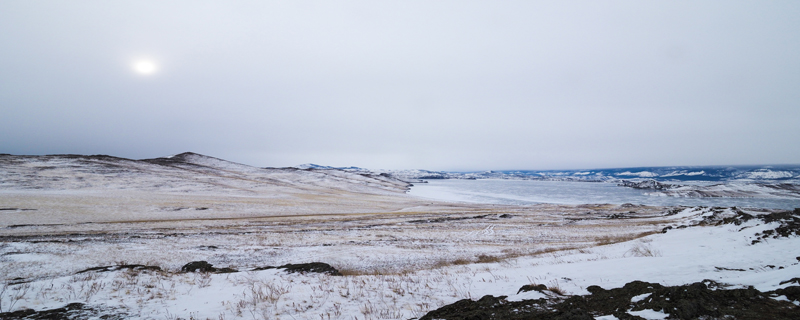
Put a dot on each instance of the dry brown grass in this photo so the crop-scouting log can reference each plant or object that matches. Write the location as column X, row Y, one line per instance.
column 612, row 239
column 484, row 258
column 442, row 263
column 551, row 250
column 642, row 249
column 355, row 272
column 554, row 287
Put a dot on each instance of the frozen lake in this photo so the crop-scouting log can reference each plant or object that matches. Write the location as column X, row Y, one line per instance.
column 525, row 192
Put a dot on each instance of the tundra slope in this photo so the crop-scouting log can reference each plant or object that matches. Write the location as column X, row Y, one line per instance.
column 185, row 172
column 75, row 188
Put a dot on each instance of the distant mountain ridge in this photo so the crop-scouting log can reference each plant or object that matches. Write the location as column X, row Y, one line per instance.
column 678, row 173
column 767, row 173
column 759, row 189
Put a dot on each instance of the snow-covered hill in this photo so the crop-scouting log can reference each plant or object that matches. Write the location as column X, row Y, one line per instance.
column 185, row 172
column 718, row 190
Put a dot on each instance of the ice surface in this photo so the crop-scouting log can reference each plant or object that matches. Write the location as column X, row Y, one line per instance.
column 641, row 174
column 526, row 192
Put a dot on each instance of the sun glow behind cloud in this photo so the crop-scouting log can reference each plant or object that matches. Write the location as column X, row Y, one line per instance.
column 145, row 67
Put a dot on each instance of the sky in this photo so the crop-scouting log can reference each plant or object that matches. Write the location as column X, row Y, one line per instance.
column 439, row 85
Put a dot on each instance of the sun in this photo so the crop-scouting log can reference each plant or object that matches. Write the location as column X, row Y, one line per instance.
column 144, row 67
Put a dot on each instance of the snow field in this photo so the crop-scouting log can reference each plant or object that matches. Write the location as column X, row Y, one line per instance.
column 373, row 243
column 443, row 264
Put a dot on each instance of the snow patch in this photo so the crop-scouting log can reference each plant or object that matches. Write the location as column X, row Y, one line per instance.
column 640, row 297
column 768, row 174
column 684, row 173
column 642, row 174
column 649, row 314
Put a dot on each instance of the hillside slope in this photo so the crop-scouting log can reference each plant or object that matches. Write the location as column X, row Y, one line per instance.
column 73, row 189
column 185, row 172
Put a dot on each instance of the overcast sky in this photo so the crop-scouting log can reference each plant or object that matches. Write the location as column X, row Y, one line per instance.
column 443, row 85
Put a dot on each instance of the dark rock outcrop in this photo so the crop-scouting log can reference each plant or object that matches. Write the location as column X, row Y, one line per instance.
column 314, row 267
column 204, row 266
column 701, row 300
column 69, row 312
column 532, row 287
column 135, row 267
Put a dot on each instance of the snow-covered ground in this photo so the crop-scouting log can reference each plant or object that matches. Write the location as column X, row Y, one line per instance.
column 400, row 256
column 433, row 275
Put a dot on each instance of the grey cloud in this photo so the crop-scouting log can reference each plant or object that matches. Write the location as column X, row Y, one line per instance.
column 454, row 85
